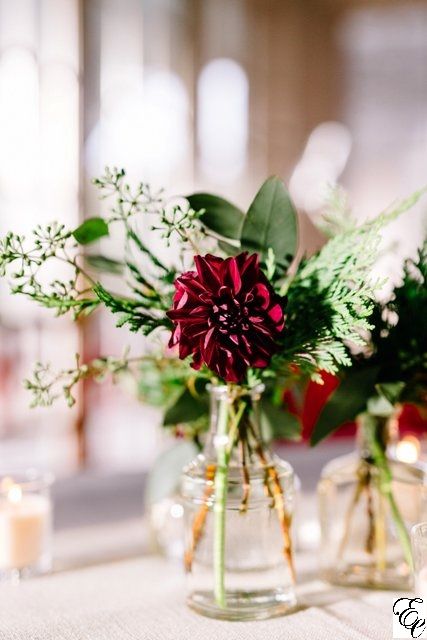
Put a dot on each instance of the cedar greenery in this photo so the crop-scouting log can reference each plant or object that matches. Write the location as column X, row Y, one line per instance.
column 393, row 370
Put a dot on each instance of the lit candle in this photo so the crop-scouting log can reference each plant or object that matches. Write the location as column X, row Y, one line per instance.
column 408, row 449
column 25, row 525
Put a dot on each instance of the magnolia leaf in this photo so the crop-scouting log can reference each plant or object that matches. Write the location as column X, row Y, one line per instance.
column 91, row 230
column 271, row 223
column 186, row 408
column 220, row 216
column 105, row 264
column 346, row 402
column 278, row 422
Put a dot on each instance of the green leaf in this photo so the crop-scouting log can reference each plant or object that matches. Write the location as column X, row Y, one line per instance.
column 91, row 230
column 220, row 216
column 105, row 264
column 279, row 422
column 186, row 408
column 391, row 391
column 380, row 406
column 271, row 222
column 346, row 402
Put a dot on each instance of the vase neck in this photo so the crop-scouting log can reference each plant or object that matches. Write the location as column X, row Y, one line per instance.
column 234, row 418
column 383, row 430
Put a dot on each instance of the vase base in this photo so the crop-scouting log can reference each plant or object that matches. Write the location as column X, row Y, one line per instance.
column 244, row 605
column 368, row 578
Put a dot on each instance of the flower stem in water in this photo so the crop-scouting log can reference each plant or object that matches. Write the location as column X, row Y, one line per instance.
column 385, row 487
column 221, row 477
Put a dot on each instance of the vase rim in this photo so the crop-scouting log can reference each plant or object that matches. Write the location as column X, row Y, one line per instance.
column 224, row 389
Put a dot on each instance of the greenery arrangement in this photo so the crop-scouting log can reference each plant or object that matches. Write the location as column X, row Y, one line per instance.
column 390, row 372
column 393, row 368
column 336, row 310
column 246, row 315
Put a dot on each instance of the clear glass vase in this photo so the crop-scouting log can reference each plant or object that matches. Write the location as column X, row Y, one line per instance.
column 368, row 502
column 238, row 503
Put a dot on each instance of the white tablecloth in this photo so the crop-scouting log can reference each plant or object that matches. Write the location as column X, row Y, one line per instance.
column 143, row 598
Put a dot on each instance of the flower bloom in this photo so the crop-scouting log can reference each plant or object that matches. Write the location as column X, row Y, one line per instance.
column 227, row 315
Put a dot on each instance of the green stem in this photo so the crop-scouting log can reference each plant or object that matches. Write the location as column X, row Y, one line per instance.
column 385, row 483
column 402, row 531
column 221, row 477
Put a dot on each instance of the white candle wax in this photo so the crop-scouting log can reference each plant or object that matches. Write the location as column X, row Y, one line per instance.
column 24, row 528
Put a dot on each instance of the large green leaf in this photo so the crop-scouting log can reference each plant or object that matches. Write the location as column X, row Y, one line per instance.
column 271, row 222
column 278, row 422
column 92, row 229
column 346, row 402
column 220, row 216
column 186, row 408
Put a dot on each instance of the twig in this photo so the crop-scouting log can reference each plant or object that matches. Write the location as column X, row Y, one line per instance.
column 246, row 478
column 370, row 540
column 200, row 519
column 349, row 515
column 276, row 491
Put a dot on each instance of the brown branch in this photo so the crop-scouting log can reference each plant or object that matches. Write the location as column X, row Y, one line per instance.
column 276, row 491
column 200, row 519
column 284, row 518
column 370, row 540
column 245, row 474
column 350, row 512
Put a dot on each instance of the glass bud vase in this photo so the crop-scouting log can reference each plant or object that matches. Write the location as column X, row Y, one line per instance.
column 368, row 503
column 238, row 502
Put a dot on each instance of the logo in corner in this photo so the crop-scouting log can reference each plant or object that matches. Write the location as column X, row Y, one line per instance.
column 409, row 618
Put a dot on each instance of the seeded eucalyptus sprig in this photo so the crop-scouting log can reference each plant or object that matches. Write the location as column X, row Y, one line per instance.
column 24, row 259
column 27, row 258
column 47, row 385
column 127, row 201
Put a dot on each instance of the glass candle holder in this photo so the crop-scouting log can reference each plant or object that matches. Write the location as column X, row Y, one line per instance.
column 25, row 524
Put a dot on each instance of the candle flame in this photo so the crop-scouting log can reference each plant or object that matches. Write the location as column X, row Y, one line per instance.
column 14, row 494
column 408, row 449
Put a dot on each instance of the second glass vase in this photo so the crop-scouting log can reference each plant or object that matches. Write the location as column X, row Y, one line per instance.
column 368, row 503
column 238, row 501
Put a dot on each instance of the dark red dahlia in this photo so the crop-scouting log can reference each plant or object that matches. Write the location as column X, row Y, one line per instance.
column 227, row 315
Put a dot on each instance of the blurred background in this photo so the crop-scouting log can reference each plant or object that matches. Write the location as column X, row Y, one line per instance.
column 189, row 95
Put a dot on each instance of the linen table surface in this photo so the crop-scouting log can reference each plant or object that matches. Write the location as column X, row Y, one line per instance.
column 143, row 598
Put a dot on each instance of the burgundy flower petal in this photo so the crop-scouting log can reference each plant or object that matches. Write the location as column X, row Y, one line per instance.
column 232, row 276
column 208, row 270
column 226, row 315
